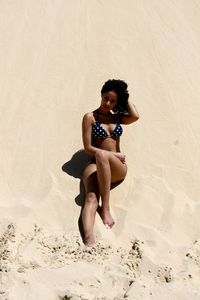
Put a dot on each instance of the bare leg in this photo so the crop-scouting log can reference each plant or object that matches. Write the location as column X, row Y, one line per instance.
column 88, row 217
column 91, row 203
column 104, row 180
column 97, row 180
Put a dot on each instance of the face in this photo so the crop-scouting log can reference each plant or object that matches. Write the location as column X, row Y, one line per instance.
column 108, row 101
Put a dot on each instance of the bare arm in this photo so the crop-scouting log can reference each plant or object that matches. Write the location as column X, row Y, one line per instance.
column 87, row 134
column 132, row 115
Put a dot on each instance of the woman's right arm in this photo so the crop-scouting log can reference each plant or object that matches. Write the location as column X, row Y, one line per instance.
column 87, row 134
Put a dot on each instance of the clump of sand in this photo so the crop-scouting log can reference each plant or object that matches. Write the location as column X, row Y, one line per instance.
column 61, row 264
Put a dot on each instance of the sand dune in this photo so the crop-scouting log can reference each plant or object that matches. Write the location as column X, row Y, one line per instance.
column 55, row 56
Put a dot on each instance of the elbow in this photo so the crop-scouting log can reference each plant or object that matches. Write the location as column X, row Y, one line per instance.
column 137, row 117
column 89, row 150
column 134, row 118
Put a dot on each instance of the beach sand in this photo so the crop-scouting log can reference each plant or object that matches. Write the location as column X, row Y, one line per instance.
column 55, row 56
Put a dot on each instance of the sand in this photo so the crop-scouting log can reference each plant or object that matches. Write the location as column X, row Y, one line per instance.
column 55, row 57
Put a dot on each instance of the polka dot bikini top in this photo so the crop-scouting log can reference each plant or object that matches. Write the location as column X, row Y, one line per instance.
column 98, row 132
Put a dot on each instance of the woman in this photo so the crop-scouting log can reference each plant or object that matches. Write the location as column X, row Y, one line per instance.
column 101, row 131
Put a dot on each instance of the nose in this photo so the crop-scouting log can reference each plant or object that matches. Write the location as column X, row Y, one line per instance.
column 107, row 103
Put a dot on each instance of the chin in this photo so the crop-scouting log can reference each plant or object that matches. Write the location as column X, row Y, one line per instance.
column 106, row 109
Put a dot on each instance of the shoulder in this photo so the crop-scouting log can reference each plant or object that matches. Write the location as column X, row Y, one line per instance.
column 88, row 115
column 88, row 118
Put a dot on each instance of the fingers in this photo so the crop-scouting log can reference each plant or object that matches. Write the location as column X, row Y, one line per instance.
column 123, row 159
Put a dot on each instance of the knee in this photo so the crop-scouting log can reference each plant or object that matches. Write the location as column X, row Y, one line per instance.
column 101, row 156
column 91, row 199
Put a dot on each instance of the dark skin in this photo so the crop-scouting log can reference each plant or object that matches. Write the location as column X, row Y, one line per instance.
column 110, row 166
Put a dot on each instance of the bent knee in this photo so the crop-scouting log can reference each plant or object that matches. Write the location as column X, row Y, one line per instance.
column 101, row 156
column 91, row 198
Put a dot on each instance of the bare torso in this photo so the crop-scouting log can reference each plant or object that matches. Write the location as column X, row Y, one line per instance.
column 108, row 123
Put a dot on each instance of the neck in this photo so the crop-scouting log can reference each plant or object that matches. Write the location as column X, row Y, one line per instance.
column 103, row 113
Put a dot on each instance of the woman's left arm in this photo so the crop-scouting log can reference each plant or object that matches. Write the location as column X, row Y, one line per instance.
column 131, row 116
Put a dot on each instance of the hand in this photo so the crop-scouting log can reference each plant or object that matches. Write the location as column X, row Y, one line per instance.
column 121, row 156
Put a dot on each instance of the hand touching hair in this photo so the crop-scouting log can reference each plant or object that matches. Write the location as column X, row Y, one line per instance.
column 120, row 88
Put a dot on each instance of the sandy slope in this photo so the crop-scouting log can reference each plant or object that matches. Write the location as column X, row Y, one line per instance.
column 55, row 56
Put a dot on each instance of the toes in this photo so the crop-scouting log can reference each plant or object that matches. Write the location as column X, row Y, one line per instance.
column 109, row 225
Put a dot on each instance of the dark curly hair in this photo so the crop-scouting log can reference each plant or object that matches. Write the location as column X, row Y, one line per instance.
column 120, row 88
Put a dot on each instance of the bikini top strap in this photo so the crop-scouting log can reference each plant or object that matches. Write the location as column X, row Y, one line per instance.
column 96, row 116
column 118, row 119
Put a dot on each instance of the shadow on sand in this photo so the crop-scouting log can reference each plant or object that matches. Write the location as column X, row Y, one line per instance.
column 75, row 167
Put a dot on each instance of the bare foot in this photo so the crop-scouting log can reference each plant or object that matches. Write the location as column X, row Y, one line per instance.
column 89, row 240
column 106, row 217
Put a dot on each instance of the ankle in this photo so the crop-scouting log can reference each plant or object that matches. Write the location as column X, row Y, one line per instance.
column 89, row 240
column 105, row 208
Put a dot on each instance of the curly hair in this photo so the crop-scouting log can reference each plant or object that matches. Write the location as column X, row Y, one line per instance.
column 120, row 88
